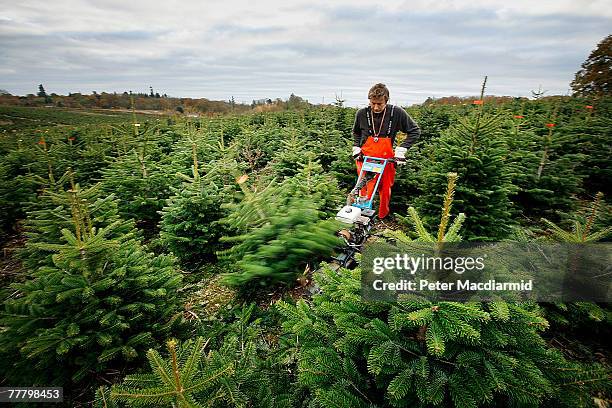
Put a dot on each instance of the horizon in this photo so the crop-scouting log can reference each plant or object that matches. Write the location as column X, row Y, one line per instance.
column 246, row 103
column 315, row 50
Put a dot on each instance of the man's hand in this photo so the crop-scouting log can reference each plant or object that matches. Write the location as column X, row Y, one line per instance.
column 356, row 152
column 400, row 155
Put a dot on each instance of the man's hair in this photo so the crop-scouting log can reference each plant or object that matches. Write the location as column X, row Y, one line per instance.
column 377, row 91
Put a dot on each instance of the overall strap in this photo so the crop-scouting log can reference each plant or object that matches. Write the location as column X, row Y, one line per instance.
column 370, row 126
column 390, row 121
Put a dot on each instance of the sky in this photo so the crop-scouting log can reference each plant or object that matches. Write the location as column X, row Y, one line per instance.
column 252, row 49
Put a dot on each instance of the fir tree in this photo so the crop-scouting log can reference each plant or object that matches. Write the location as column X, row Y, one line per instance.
column 202, row 142
column 443, row 235
column 324, row 133
column 312, row 183
column 257, row 147
column 141, row 184
column 574, row 316
column 200, row 373
column 586, row 142
column 474, row 148
column 582, row 229
column 175, row 382
column 16, row 189
column 286, row 162
column 342, row 167
column 43, row 94
column 433, row 121
column 52, row 212
column 100, row 304
column 85, row 150
column 543, row 169
column 41, row 91
column 190, row 226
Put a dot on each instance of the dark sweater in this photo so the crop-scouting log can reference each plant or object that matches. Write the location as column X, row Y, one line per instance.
column 401, row 122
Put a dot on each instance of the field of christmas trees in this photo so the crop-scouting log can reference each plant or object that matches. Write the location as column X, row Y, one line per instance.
column 169, row 261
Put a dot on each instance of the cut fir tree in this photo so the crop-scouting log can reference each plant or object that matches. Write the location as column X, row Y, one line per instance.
column 282, row 229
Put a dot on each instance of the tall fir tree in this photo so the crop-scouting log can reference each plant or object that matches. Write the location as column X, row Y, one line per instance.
column 544, row 170
column 586, row 141
column 102, row 302
column 190, row 226
column 51, row 212
column 475, row 149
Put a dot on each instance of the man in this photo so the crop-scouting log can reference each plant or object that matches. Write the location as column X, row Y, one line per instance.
column 374, row 134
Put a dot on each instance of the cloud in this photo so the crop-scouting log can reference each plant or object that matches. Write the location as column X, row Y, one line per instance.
column 315, row 49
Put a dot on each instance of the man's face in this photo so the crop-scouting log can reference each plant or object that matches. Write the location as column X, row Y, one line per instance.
column 378, row 104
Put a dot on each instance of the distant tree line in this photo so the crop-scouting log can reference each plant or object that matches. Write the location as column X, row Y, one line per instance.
column 147, row 101
column 463, row 100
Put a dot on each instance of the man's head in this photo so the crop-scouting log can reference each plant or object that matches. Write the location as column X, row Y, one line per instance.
column 378, row 96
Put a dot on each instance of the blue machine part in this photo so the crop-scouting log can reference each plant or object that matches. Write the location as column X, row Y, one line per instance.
column 374, row 165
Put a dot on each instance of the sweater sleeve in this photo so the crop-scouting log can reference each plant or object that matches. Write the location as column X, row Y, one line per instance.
column 410, row 128
column 356, row 131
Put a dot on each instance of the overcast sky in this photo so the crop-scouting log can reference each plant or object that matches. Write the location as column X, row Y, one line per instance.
column 315, row 49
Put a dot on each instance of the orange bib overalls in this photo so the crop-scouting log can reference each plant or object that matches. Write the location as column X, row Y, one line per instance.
column 383, row 148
